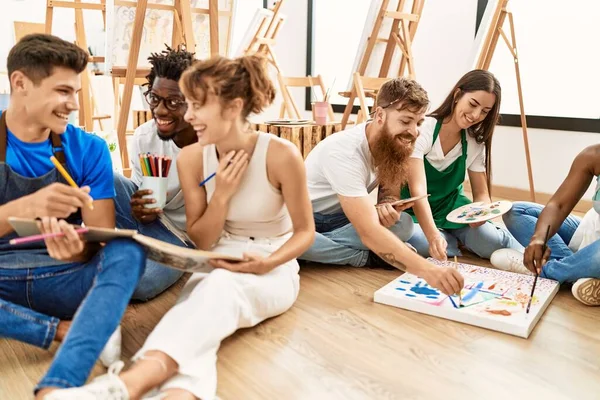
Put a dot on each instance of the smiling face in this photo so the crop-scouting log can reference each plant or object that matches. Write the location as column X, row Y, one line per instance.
column 473, row 107
column 395, row 143
column 168, row 107
column 49, row 102
column 211, row 121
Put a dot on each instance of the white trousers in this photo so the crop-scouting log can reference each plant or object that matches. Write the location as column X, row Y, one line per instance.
column 213, row 306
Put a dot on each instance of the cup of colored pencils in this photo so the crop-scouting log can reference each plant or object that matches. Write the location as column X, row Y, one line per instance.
column 155, row 170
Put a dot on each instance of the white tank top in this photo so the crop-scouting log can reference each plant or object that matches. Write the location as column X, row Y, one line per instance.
column 257, row 209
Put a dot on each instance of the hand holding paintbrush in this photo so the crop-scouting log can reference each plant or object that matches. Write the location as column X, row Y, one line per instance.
column 460, row 291
column 538, row 269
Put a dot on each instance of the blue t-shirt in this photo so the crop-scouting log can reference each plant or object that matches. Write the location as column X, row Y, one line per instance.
column 88, row 160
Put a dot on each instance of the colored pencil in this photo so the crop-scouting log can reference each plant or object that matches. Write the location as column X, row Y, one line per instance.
column 39, row 238
column 155, row 165
column 67, row 177
column 207, row 179
column 536, row 273
column 212, row 175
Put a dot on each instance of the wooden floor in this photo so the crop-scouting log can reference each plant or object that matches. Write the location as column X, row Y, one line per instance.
column 336, row 343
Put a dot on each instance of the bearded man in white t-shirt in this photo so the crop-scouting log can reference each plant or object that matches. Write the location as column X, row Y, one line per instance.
column 345, row 168
column 166, row 134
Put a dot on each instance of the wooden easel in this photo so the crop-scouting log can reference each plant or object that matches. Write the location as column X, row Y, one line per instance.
column 182, row 33
column 262, row 44
column 402, row 33
column 485, row 58
column 86, row 98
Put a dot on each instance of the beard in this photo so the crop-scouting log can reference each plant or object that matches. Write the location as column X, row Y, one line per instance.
column 390, row 159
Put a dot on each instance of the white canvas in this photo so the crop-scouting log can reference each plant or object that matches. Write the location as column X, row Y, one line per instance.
column 260, row 15
column 376, row 58
column 491, row 299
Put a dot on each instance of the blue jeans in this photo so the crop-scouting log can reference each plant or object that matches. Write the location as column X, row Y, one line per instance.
column 94, row 294
column 564, row 265
column 337, row 242
column 483, row 240
column 158, row 277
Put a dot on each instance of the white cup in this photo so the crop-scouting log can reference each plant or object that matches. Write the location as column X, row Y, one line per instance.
column 159, row 191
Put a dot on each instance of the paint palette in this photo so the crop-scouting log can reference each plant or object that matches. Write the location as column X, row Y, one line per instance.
column 479, row 212
column 490, row 298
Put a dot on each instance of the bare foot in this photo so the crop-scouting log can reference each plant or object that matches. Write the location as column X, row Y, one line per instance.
column 61, row 330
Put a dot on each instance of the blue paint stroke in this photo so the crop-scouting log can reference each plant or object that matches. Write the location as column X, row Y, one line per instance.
column 453, row 303
column 407, row 282
column 410, row 295
column 432, row 297
column 401, row 288
column 425, row 291
column 473, row 292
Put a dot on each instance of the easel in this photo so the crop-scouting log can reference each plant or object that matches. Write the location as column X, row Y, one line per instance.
column 485, row 58
column 86, row 99
column 402, row 32
column 262, row 44
column 182, row 33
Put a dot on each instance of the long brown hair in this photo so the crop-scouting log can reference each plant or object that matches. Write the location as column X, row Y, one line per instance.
column 482, row 132
column 244, row 77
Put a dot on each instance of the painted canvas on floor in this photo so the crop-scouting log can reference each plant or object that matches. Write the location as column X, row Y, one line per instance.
column 491, row 299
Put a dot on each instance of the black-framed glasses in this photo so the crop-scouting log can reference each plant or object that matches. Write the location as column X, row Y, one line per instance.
column 172, row 104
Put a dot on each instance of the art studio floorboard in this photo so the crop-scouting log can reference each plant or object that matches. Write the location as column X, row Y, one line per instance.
column 336, row 343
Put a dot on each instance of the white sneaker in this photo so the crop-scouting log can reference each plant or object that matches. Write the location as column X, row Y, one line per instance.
column 509, row 260
column 587, row 291
column 112, row 351
column 105, row 387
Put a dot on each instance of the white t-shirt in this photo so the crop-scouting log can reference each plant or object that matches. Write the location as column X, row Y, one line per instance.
column 341, row 164
column 146, row 140
column 424, row 146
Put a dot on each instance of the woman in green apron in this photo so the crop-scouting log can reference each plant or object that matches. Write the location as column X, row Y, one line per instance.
column 573, row 250
column 456, row 139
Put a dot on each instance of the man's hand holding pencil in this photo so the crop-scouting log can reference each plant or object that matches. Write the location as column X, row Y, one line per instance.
column 57, row 200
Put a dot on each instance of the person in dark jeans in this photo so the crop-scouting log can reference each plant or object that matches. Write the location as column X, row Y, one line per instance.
column 62, row 289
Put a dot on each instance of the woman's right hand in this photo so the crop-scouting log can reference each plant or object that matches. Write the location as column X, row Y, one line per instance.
column 230, row 171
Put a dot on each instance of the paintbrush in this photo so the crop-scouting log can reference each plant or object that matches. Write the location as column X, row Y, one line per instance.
column 327, row 94
column 536, row 273
column 460, row 291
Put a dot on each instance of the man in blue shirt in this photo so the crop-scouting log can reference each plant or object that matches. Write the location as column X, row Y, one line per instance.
column 45, row 285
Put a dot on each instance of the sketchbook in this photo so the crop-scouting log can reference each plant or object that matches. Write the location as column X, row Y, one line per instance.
column 491, row 298
column 177, row 257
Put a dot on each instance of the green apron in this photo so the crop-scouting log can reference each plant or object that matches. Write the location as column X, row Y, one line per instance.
column 445, row 187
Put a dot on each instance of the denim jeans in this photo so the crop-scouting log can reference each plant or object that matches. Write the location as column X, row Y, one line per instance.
column 337, row 242
column 483, row 240
column 564, row 265
column 93, row 294
column 158, row 277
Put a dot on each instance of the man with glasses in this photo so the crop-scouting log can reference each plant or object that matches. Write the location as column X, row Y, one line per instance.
column 345, row 168
column 165, row 135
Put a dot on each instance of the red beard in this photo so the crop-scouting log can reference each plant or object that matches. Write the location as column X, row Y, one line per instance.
column 390, row 158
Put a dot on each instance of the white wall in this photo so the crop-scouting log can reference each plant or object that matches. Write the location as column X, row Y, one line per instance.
column 442, row 48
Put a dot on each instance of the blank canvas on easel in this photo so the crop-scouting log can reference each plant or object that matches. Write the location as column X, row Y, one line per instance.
column 376, row 58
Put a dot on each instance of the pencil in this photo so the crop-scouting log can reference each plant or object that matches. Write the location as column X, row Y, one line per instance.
column 207, row 179
column 212, row 175
column 460, row 291
column 67, row 177
column 39, row 238
column 536, row 273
